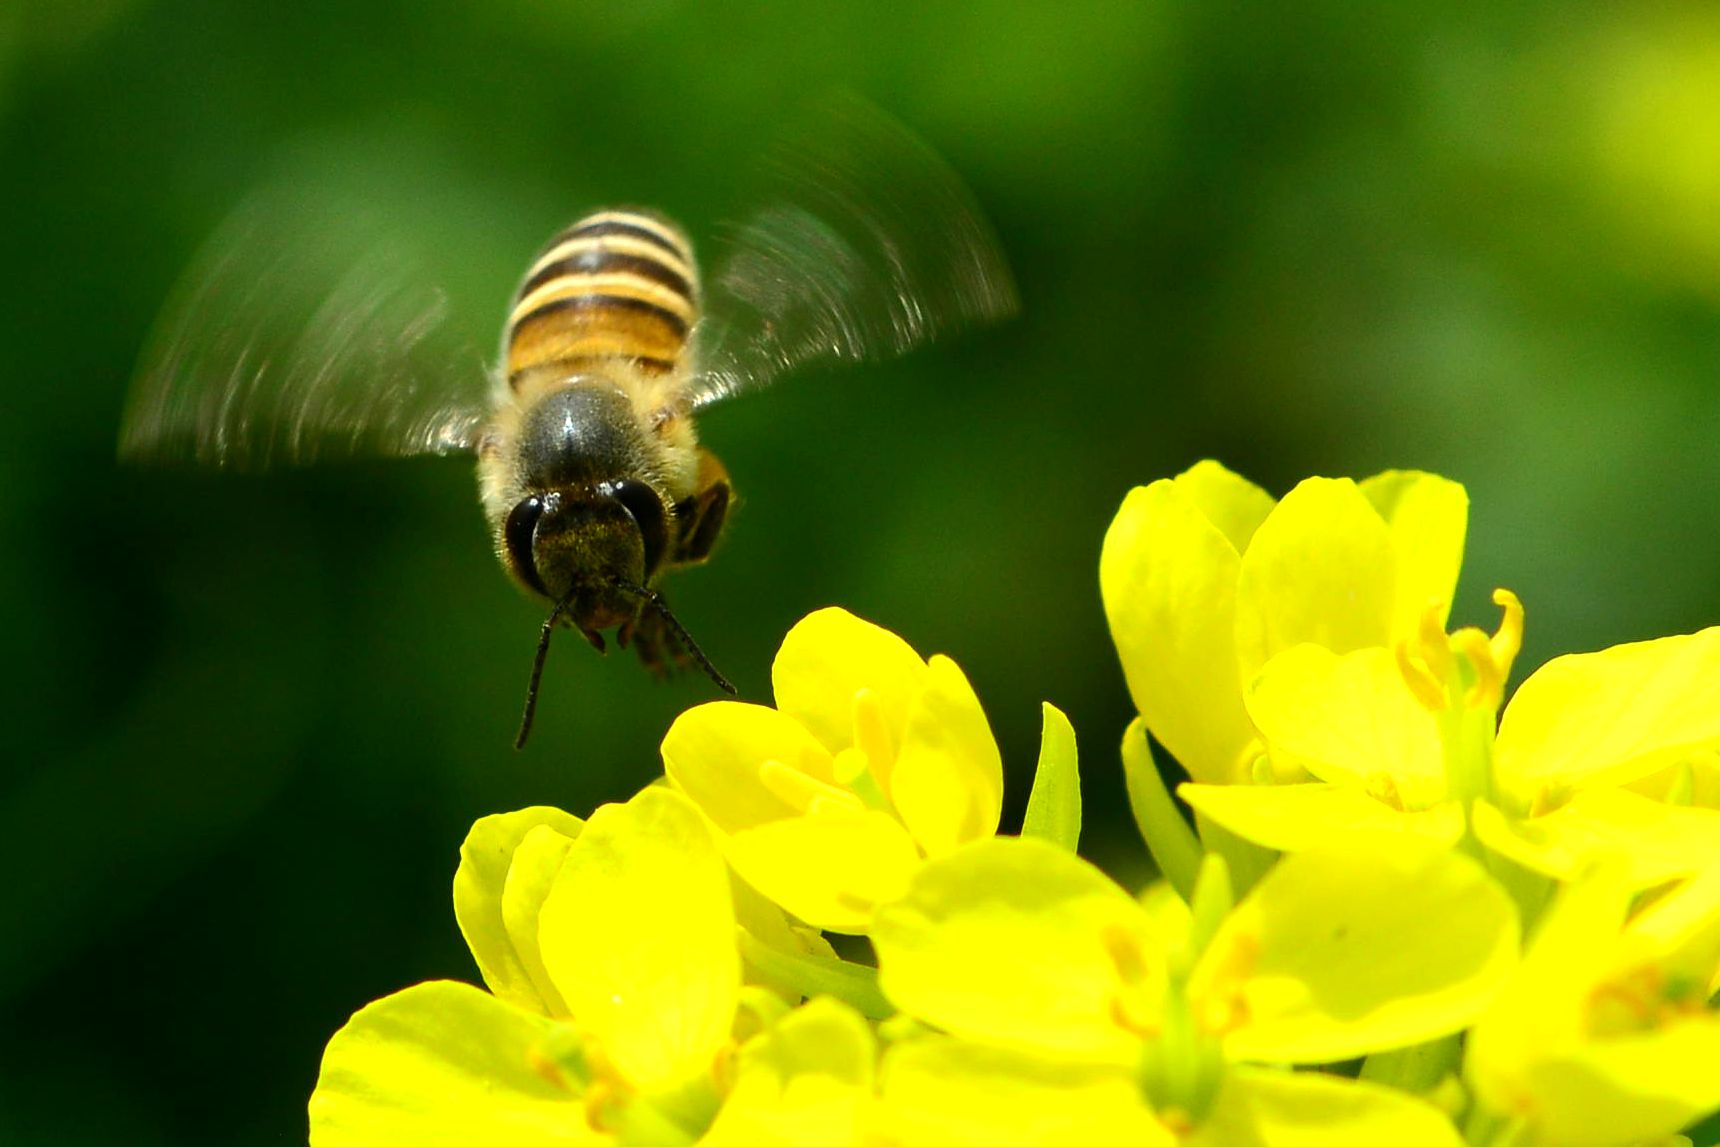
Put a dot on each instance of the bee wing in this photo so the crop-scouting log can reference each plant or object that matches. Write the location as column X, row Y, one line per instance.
column 869, row 246
column 302, row 333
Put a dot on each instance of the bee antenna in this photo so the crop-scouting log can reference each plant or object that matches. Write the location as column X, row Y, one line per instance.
column 537, row 669
column 655, row 600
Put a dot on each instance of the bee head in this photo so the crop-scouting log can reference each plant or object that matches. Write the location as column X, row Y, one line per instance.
column 593, row 550
column 586, row 543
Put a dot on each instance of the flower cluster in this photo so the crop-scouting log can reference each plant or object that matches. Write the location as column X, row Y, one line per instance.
column 1398, row 910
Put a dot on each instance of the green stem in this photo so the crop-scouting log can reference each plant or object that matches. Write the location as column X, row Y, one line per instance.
column 1247, row 861
column 854, row 984
column 1530, row 890
column 1466, row 738
column 650, row 1123
column 1485, row 1128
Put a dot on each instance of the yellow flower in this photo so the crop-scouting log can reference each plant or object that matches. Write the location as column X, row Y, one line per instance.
column 1205, row 580
column 1403, row 741
column 872, row 760
column 1605, row 1036
column 1069, row 1003
column 808, row 1080
column 615, row 991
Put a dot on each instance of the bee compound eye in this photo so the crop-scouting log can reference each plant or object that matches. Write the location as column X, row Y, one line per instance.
column 517, row 534
column 646, row 508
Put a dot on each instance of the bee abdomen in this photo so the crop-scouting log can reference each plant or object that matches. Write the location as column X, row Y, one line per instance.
column 616, row 284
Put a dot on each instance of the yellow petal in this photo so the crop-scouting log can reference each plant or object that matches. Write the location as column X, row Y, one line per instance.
column 1259, row 1108
column 1338, row 954
column 1682, row 930
column 714, row 753
column 807, row 1080
column 1634, row 1089
column 639, row 936
column 1292, row 818
column 1654, row 842
column 1321, row 569
column 1693, row 781
column 1229, row 501
column 537, row 863
column 1349, row 720
column 1168, row 577
column 1017, row 941
column 947, row 785
column 940, row 1092
column 1543, row 1053
column 1612, row 717
column 1428, row 517
column 831, row 870
column 831, row 655
column 1541, row 1007
column 486, row 857
column 443, row 1065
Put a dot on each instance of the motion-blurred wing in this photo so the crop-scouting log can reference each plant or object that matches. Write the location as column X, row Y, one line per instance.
column 868, row 246
column 302, row 334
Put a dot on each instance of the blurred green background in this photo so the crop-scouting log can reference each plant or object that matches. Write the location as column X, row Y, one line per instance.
column 251, row 718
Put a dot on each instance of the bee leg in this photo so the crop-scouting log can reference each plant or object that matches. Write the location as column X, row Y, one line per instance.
column 596, row 640
column 700, row 522
column 703, row 524
column 624, row 635
column 657, row 648
column 699, row 516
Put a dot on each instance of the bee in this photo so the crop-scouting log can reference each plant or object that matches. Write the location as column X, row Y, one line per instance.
column 590, row 471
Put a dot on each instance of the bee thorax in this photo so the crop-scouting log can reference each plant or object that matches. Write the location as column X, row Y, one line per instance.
column 582, row 433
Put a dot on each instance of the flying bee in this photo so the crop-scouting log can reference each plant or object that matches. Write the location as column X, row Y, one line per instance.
column 285, row 348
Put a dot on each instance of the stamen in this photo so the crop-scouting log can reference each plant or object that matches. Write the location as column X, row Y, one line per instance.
column 1428, row 689
column 1641, row 999
column 1548, row 798
column 872, row 737
column 845, row 807
column 1130, row 1006
column 1223, row 1005
column 1508, row 641
column 1383, row 787
column 1488, row 690
column 798, row 790
column 1124, row 952
column 1431, row 642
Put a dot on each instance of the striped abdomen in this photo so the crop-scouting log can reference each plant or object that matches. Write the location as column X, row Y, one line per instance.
column 616, row 284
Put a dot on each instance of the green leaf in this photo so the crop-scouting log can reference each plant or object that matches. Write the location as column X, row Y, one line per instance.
column 1054, row 805
column 1418, row 1068
column 1169, row 838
